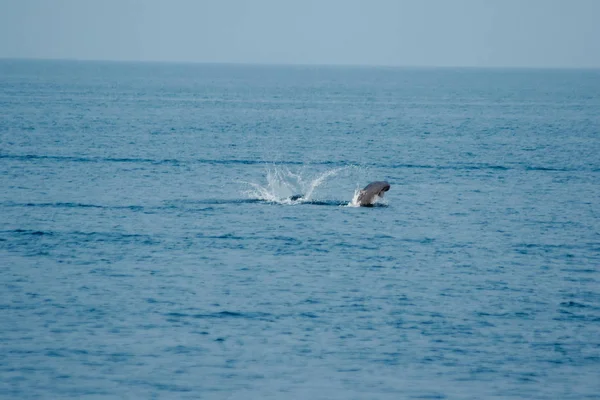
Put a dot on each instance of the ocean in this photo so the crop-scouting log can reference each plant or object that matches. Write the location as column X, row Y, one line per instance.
column 149, row 247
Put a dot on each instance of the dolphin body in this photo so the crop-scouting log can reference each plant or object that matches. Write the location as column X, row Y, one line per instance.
column 366, row 197
column 372, row 192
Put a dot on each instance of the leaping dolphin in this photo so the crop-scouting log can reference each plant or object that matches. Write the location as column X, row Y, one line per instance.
column 371, row 192
column 366, row 197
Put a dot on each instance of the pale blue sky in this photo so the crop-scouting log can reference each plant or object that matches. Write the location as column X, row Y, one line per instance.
column 521, row 33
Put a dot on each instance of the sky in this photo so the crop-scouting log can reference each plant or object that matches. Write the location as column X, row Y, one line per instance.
column 473, row 33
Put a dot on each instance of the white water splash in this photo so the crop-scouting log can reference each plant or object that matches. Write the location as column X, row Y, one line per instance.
column 377, row 200
column 282, row 184
column 354, row 201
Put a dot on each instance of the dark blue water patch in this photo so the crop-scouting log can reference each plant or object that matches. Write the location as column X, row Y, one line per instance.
column 566, row 250
column 230, row 236
column 181, row 349
column 430, row 396
column 337, row 163
column 574, row 304
column 74, row 205
column 31, row 232
column 309, row 315
column 287, row 240
column 550, row 169
column 16, row 239
column 462, row 166
column 574, row 316
column 173, row 162
column 155, row 301
column 425, row 240
column 224, row 315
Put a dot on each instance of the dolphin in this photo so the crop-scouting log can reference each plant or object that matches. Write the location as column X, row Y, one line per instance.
column 371, row 192
column 366, row 197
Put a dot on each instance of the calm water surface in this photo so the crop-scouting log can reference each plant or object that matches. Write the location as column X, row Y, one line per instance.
column 148, row 249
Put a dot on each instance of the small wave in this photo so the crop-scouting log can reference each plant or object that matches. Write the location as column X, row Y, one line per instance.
column 79, row 205
column 28, row 232
column 333, row 163
column 67, row 205
column 167, row 161
column 221, row 314
column 573, row 304
column 549, row 169
column 83, row 236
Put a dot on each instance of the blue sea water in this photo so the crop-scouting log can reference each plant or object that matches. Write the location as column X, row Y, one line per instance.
column 148, row 248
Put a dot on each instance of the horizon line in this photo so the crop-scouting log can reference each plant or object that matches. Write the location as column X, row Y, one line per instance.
column 290, row 64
